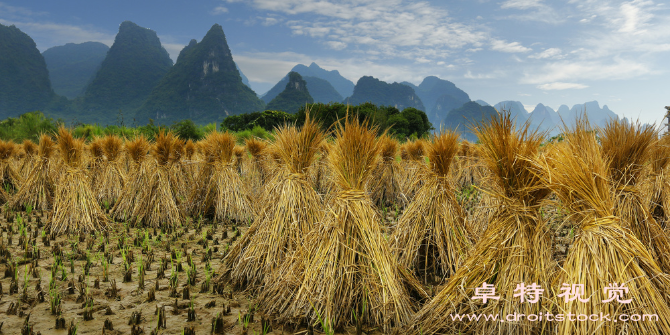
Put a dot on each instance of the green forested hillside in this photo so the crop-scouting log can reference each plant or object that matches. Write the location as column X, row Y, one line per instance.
column 294, row 96
column 24, row 79
column 203, row 86
column 135, row 63
column 72, row 66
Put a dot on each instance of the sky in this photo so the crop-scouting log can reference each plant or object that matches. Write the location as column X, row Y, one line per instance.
column 533, row 51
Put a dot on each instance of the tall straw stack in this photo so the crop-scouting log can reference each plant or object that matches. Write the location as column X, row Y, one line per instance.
column 412, row 154
column 222, row 195
column 432, row 237
column 75, row 208
column 656, row 187
column 256, row 171
column 345, row 262
column 110, row 181
column 605, row 252
column 138, row 177
column 38, row 188
column 30, row 150
column 515, row 248
column 384, row 185
column 10, row 180
column 291, row 208
column 627, row 146
column 157, row 204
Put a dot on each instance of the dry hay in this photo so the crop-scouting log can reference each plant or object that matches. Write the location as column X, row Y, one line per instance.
column 255, row 171
column 604, row 251
column 10, row 179
column 627, row 146
column 656, row 187
column 384, row 186
column 431, row 237
column 412, row 154
column 157, row 204
column 515, row 248
column 110, row 180
column 290, row 210
column 137, row 178
column 37, row 191
column 346, row 262
column 75, row 208
column 222, row 195
column 30, row 150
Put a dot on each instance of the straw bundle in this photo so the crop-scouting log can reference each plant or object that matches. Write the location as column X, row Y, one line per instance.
column 345, row 260
column 412, row 162
column 239, row 152
column 432, row 237
column 38, row 188
column 515, row 248
column 385, row 182
column 627, row 147
column 138, row 178
column 656, row 187
column 10, row 180
column 604, row 251
column 30, row 150
column 75, row 208
column 256, row 171
column 177, row 170
column 222, row 196
column 157, row 204
column 291, row 209
column 110, row 180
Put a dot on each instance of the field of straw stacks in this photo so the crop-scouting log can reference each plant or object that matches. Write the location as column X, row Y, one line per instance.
column 345, row 232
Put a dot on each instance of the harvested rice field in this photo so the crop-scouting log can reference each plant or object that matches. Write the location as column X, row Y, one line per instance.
column 341, row 232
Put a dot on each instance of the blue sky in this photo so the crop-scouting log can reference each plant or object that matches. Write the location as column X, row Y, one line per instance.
column 533, row 51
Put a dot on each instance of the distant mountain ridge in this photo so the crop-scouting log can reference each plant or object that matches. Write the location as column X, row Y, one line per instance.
column 370, row 89
column 343, row 86
column 439, row 97
column 294, row 96
column 204, row 85
column 72, row 66
column 24, row 78
column 320, row 89
column 134, row 65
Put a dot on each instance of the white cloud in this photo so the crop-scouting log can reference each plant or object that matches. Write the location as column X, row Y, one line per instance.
column 392, row 28
column 336, row 45
column 548, row 53
column 470, row 75
column 562, row 71
column 561, row 86
column 511, row 47
column 521, row 4
column 219, row 10
column 46, row 34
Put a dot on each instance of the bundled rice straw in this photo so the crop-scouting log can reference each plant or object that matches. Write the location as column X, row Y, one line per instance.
column 256, row 172
column 291, row 209
column 75, row 208
column 10, row 180
column 412, row 161
column 30, row 150
column 656, row 187
column 177, row 170
column 432, row 237
column 38, row 188
column 385, row 182
column 157, row 204
column 515, row 248
column 604, row 252
column 137, row 180
column 222, row 196
column 627, row 146
column 239, row 152
column 110, row 180
column 345, row 262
